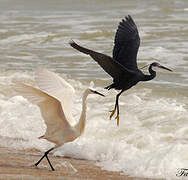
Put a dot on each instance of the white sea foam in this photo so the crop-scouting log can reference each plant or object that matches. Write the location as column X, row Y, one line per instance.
column 26, row 38
column 151, row 140
column 153, row 134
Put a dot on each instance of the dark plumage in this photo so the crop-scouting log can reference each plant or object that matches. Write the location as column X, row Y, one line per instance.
column 123, row 66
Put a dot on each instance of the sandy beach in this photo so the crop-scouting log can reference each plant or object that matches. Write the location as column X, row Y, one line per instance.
column 18, row 164
column 151, row 140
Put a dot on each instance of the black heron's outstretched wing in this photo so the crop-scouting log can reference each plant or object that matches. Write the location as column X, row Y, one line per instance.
column 126, row 44
column 113, row 68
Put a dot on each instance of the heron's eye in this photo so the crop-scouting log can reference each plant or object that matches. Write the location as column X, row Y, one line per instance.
column 156, row 64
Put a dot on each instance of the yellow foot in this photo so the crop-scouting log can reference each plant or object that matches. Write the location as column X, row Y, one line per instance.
column 113, row 111
column 117, row 117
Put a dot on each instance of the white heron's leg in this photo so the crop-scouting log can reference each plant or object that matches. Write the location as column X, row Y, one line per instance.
column 45, row 155
column 49, row 162
column 56, row 146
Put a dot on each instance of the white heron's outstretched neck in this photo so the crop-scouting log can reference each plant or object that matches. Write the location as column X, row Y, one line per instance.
column 55, row 94
column 80, row 126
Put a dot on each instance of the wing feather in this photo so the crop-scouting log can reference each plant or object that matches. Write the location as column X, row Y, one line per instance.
column 34, row 95
column 50, row 107
column 57, row 87
column 126, row 44
column 112, row 67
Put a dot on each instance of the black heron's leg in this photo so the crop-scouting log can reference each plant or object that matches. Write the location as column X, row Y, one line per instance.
column 113, row 111
column 45, row 155
column 117, row 106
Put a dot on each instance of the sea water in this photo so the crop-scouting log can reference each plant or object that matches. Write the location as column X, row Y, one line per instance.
column 152, row 139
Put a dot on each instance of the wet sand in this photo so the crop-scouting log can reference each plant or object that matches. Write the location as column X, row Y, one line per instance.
column 18, row 164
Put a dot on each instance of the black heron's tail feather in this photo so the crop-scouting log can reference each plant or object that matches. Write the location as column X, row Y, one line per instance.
column 110, row 87
column 80, row 48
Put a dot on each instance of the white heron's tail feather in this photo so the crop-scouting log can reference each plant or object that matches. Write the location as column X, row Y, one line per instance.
column 34, row 95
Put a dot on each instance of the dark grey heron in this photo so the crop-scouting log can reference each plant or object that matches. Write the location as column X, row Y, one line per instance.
column 122, row 67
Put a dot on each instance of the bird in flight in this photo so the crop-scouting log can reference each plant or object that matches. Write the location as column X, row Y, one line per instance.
column 122, row 67
column 54, row 98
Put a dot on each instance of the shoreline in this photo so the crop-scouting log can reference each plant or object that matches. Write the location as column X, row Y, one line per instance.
column 19, row 164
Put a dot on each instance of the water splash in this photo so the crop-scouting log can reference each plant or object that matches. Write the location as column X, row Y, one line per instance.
column 151, row 140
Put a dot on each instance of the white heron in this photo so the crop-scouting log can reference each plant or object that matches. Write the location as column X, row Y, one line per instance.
column 54, row 99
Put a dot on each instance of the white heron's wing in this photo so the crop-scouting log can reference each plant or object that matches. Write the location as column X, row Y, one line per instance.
column 32, row 94
column 57, row 87
column 50, row 107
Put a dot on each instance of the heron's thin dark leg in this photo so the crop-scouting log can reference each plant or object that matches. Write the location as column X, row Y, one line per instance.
column 117, row 106
column 50, row 163
column 112, row 112
column 36, row 164
column 45, row 155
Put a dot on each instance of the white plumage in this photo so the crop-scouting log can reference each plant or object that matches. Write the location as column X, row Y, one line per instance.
column 54, row 99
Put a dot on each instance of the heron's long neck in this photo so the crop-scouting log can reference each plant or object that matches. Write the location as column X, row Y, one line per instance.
column 80, row 126
column 151, row 76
